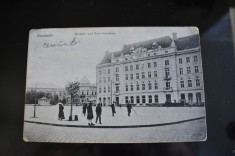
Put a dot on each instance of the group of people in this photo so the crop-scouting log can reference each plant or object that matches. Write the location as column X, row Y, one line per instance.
column 87, row 108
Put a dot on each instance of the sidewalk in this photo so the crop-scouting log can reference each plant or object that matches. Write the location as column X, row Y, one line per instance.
column 143, row 115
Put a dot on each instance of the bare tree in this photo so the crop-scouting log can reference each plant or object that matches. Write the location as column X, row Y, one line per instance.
column 72, row 88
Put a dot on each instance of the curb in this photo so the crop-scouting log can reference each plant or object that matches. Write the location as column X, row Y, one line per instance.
column 131, row 126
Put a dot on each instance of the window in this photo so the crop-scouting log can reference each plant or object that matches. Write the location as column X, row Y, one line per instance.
column 180, row 60
column 155, row 85
column 137, row 99
column 168, row 84
column 87, row 92
column 126, row 76
column 92, row 93
column 167, row 72
column 117, row 89
column 104, row 71
column 117, row 69
column 167, row 63
column 100, row 80
column 188, row 70
column 149, row 74
column 155, row 64
column 155, row 73
column 108, row 89
column 143, row 99
column 100, row 72
column 132, row 99
column 126, row 87
column 131, row 67
column 104, row 89
column 154, row 54
column 99, row 89
column 132, row 87
column 156, row 98
column 126, row 68
column 117, row 77
column 150, row 99
column 150, row 85
column 143, row 86
column 182, row 84
column 108, row 79
column 195, row 58
column 104, row 80
column 189, row 83
column 197, row 82
column 168, row 97
column 137, row 67
column 149, row 65
column 108, row 71
column 131, row 76
column 188, row 59
column 137, row 76
column 82, row 92
column 196, row 69
column 143, row 75
column 126, row 99
column 137, row 86
column 181, row 71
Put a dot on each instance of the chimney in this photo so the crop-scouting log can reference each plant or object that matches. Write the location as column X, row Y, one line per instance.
column 106, row 52
column 174, row 36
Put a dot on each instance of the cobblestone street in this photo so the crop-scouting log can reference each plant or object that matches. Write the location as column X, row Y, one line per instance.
column 194, row 130
column 190, row 130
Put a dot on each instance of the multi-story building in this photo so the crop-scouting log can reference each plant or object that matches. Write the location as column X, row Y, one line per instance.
column 156, row 71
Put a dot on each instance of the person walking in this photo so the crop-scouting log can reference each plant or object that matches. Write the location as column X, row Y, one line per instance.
column 84, row 107
column 113, row 109
column 129, row 108
column 98, row 113
column 90, row 114
column 61, row 111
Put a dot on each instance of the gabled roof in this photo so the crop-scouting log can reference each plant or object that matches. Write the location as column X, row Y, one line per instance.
column 183, row 43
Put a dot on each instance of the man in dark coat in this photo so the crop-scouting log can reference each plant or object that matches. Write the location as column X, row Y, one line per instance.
column 113, row 108
column 98, row 113
column 84, row 108
column 129, row 108
column 90, row 114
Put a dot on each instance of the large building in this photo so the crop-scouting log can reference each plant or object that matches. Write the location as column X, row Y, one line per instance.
column 165, row 69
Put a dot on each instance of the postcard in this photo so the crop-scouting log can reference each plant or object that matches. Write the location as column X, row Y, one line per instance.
column 115, row 85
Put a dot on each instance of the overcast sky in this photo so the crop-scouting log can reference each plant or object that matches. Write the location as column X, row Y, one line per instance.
column 58, row 65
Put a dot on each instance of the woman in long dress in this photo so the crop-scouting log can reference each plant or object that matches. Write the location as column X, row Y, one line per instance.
column 90, row 114
column 61, row 111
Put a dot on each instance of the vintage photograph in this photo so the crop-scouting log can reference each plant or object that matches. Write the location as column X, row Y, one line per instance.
column 115, row 85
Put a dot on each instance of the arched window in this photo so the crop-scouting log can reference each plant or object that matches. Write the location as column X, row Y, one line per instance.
column 150, row 85
column 137, row 99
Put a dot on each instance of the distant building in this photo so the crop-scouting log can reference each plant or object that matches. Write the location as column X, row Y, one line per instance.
column 87, row 92
column 155, row 71
column 47, row 88
column 44, row 101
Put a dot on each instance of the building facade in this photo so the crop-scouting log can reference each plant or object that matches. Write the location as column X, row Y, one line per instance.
column 166, row 69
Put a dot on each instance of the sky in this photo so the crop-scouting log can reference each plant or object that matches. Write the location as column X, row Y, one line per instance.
column 59, row 64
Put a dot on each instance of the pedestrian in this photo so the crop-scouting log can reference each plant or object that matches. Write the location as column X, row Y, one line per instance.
column 61, row 111
column 129, row 108
column 113, row 109
column 90, row 114
column 84, row 107
column 98, row 113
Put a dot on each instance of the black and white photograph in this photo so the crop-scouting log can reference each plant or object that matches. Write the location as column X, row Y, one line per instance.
column 115, row 85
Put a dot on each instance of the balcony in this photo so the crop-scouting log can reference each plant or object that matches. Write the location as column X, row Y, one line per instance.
column 116, row 82
column 167, row 78
column 168, row 89
column 116, row 93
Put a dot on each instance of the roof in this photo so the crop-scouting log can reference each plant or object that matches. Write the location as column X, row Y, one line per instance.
column 84, row 80
column 182, row 43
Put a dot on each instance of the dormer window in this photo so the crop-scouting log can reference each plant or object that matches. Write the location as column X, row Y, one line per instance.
column 154, row 45
column 132, row 49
